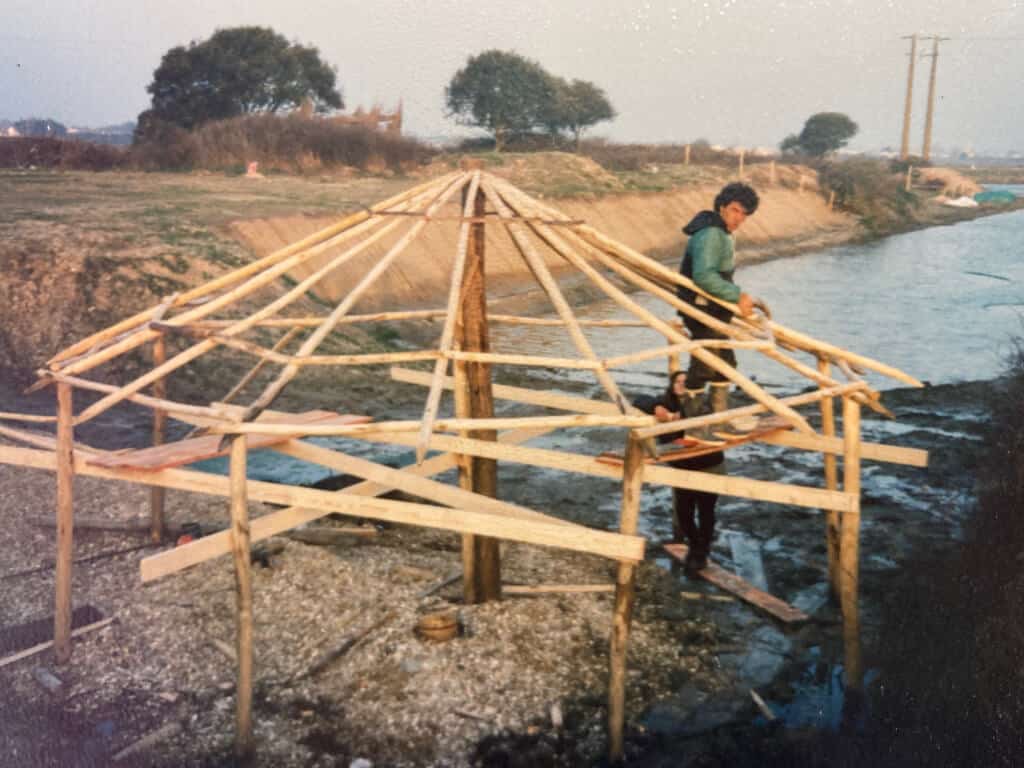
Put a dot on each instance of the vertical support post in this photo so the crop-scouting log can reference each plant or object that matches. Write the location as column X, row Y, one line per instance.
column 772, row 178
column 625, row 592
column 674, row 360
column 828, row 429
column 831, row 200
column 243, row 593
column 462, row 411
column 926, row 149
column 742, row 153
column 686, row 155
column 157, row 495
column 481, row 554
column 65, row 523
column 910, row 177
column 850, row 545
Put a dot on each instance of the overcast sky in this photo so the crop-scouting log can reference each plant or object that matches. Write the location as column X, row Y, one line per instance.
column 744, row 72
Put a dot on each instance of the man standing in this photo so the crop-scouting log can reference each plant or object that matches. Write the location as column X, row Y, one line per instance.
column 709, row 261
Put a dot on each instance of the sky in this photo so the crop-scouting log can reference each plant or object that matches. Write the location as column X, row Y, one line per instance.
column 734, row 72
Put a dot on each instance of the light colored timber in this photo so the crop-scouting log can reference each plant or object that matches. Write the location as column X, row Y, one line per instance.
column 157, row 495
column 27, row 417
column 240, row 550
column 530, row 360
column 519, row 320
column 218, row 544
column 44, row 441
column 411, row 314
column 202, row 347
column 577, row 538
column 257, row 267
column 365, row 358
column 64, row 461
column 832, row 521
column 543, row 276
column 173, row 408
column 833, row 446
column 849, row 547
column 411, row 484
column 554, row 589
column 685, row 346
column 274, row 388
column 761, row 490
column 253, row 372
column 435, row 389
column 625, row 594
column 441, row 425
column 623, row 300
column 520, row 394
column 749, row 410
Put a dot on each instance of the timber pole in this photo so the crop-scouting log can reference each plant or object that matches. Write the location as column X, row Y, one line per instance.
column 926, row 149
column 481, row 554
column 65, row 523
column 157, row 495
column 828, row 429
column 243, row 593
column 850, row 546
column 625, row 593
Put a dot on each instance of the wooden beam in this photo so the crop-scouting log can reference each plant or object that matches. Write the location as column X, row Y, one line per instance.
column 240, row 550
column 538, row 361
column 555, row 400
column 625, row 593
column 828, row 429
column 27, row 417
column 833, row 446
column 274, row 523
column 65, row 466
column 849, row 547
column 157, row 495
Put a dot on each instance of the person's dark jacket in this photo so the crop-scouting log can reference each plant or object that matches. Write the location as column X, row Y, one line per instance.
column 647, row 404
column 709, row 261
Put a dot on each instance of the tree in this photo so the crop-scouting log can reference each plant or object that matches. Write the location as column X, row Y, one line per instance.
column 823, row 132
column 577, row 106
column 236, row 71
column 501, row 92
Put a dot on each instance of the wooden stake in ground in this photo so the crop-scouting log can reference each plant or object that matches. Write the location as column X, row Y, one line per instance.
column 481, row 554
column 65, row 523
column 828, row 429
column 156, row 494
column 625, row 591
column 243, row 587
column 850, row 545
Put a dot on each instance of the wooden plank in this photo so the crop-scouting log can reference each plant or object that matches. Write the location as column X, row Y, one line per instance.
column 240, row 549
column 743, row 589
column 693, row 448
column 891, row 454
column 194, row 449
column 64, row 459
column 546, row 399
column 157, row 495
column 849, row 548
column 555, row 589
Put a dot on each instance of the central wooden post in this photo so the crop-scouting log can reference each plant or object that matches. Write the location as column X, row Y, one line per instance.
column 481, row 555
column 243, row 587
column 625, row 592
column 65, row 523
column 157, row 494
column 850, row 545
column 828, row 429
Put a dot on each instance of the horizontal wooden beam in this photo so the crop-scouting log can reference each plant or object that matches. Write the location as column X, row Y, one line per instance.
column 554, row 400
column 565, row 536
column 891, row 454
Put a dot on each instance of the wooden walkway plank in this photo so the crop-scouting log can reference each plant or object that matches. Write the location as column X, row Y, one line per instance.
column 744, row 590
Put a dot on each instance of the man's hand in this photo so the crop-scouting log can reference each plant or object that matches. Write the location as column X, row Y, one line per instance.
column 746, row 304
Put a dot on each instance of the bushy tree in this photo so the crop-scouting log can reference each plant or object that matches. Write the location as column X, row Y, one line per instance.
column 236, row 71
column 823, row 132
column 501, row 92
column 576, row 106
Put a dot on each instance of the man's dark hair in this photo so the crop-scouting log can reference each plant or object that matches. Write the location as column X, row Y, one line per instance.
column 738, row 192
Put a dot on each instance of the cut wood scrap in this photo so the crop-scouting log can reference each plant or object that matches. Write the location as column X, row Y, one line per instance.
column 765, row 710
column 207, row 447
column 549, row 589
column 224, row 648
column 43, row 646
column 334, row 653
column 703, row 596
column 437, row 587
column 742, row 589
column 151, row 739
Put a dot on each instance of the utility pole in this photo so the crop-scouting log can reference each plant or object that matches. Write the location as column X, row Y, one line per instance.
column 905, row 143
column 926, row 150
